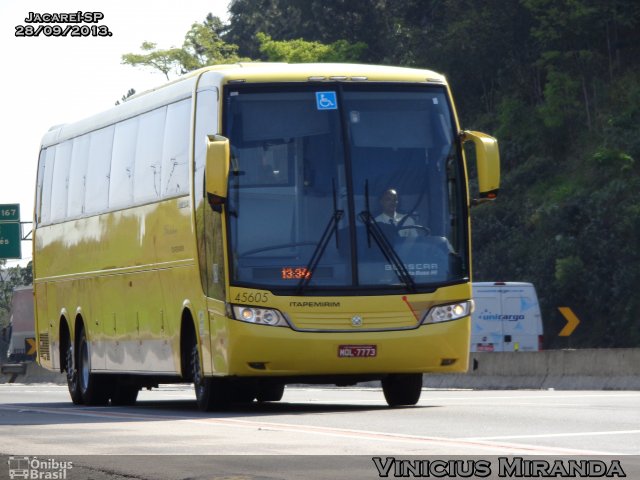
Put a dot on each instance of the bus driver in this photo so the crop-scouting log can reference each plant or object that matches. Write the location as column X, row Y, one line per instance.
column 390, row 216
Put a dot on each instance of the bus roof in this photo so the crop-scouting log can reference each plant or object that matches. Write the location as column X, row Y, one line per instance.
column 254, row 72
column 304, row 72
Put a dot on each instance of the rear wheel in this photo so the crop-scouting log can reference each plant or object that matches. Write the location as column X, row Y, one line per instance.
column 94, row 388
column 402, row 389
column 73, row 382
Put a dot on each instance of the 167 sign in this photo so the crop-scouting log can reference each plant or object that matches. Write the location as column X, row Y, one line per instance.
column 10, row 213
column 10, row 231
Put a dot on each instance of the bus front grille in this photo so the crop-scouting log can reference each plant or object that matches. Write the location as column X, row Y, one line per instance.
column 353, row 321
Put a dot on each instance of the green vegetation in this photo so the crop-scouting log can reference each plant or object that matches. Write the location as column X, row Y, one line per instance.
column 557, row 81
column 302, row 51
column 202, row 46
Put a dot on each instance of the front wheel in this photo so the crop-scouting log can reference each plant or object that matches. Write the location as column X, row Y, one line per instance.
column 402, row 389
column 210, row 392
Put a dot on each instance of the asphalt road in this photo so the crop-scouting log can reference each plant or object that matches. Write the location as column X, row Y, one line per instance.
column 312, row 426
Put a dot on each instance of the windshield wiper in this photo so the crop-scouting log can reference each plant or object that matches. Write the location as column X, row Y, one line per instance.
column 330, row 229
column 374, row 231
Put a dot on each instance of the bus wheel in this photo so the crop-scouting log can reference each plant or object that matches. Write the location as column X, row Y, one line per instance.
column 270, row 392
column 93, row 388
column 210, row 393
column 73, row 382
column 402, row 389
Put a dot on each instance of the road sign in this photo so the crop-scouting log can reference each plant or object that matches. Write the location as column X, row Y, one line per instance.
column 10, row 237
column 10, row 231
column 10, row 212
column 572, row 321
column 30, row 346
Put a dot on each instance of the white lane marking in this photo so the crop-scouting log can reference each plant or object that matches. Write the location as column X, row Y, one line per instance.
column 552, row 435
column 510, row 448
column 544, row 395
column 502, row 448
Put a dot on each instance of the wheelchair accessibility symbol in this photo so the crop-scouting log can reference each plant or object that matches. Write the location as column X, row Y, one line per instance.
column 326, row 101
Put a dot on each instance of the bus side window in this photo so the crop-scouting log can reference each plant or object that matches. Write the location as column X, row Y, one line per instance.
column 78, row 175
column 97, row 189
column 45, row 205
column 147, row 173
column 175, row 150
column 39, row 184
column 122, row 163
column 60, row 186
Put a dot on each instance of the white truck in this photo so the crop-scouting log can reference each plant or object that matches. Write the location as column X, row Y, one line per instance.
column 22, row 335
column 506, row 318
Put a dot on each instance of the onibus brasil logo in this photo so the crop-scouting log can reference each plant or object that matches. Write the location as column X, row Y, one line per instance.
column 37, row 469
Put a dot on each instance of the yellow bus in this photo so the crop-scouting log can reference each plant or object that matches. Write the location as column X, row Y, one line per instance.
column 227, row 229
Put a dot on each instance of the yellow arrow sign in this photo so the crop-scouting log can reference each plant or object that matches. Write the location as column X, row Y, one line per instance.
column 572, row 321
column 30, row 343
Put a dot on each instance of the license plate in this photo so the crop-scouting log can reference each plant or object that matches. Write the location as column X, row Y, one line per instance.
column 357, row 351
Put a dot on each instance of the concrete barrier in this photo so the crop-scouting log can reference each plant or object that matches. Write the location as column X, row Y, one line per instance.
column 597, row 369
column 34, row 373
column 13, row 370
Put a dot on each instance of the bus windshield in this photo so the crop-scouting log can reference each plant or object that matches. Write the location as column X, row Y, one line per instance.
column 344, row 187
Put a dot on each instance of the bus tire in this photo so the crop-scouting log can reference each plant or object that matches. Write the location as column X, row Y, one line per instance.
column 210, row 392
column 94, row 388
column 73, row 382
column 402, row 389
column 270, row 392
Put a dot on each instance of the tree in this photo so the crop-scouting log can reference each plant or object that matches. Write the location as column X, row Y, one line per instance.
column 372, row 22
column 580, row 44
column 163, row 60
column 302, row 51
column 202, row 46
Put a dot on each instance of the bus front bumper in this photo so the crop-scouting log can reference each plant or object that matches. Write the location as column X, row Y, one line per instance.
column 257, row 350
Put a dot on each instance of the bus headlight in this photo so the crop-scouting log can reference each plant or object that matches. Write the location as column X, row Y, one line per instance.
column 260, row 316
column 445, row 313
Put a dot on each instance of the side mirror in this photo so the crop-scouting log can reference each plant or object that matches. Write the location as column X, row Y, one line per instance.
column 217, row 167
column 488, row 164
